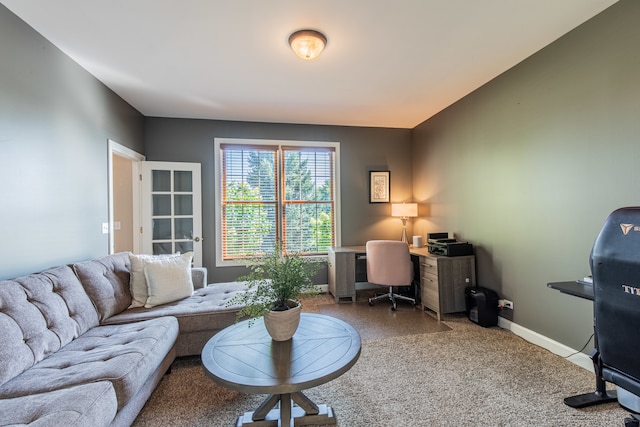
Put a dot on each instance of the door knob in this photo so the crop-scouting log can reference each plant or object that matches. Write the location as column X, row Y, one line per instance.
column 197, row 239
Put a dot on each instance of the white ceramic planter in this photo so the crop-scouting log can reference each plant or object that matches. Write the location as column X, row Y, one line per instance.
column 281, row 325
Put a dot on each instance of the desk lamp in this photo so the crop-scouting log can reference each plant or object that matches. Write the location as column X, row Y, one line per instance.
column 404, row 211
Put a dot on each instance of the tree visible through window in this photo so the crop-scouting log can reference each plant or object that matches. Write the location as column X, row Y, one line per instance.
column 273, row 195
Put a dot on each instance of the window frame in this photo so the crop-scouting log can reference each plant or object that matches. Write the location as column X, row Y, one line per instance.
column 219, row 142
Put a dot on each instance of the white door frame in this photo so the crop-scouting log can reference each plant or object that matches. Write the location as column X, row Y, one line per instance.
column 136, row 158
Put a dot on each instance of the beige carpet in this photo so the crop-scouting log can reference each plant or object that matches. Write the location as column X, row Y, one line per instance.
column 464, row 376
column 380, row 321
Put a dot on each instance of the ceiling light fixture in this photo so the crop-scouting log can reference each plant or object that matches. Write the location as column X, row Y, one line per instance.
column 307, row 44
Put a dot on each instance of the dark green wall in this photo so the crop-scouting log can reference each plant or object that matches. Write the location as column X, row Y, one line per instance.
column 361, row 150
column 528, row 167
column 55, row 120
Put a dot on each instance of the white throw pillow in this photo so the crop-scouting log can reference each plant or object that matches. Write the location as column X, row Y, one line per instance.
column 168, row 279
column 137, row 282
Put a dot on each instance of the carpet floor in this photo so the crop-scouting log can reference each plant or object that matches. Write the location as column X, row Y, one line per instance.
column 378, row 322
column 413, row 371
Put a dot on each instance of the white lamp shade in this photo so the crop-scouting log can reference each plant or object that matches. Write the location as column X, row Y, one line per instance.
column 406, row 210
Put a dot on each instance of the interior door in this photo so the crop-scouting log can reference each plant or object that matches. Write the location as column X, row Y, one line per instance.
column 171, row 209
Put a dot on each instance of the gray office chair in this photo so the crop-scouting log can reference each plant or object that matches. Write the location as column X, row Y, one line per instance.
column 389, row 264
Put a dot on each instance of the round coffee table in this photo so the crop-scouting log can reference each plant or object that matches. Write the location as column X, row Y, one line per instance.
column 246, row 359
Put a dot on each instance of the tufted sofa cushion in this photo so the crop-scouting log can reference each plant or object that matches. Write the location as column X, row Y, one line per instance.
column 92, row 404
column 39, row 314
column 126, row 355
column 201, row 311
column 200, row 316
column 106, row 280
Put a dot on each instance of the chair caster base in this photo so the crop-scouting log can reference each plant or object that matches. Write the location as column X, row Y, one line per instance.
column 393, row 301
column 632, row 421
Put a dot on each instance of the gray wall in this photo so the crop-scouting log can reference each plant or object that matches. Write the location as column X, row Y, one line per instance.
column 528, row 167
column 55, row 120
column 362, row 150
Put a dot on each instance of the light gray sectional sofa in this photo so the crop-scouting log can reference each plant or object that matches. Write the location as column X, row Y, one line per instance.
column 73, row 353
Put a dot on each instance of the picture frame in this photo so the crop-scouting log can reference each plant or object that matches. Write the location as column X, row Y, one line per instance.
column 379, row 186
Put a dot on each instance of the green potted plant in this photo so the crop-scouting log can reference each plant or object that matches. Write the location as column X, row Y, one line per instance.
column 275, row 283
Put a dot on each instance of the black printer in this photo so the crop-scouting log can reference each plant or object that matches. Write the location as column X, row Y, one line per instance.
column 440, row 244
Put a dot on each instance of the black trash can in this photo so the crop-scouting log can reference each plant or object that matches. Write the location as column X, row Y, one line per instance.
column 482, row 305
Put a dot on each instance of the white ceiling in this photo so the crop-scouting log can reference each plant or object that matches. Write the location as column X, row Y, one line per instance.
column 388, row 63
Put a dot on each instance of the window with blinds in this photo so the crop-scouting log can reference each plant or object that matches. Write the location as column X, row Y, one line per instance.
column 276, row 194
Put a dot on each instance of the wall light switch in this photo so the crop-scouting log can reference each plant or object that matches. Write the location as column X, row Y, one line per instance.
column 105, row 228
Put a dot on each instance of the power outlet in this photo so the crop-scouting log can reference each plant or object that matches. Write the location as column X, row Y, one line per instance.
column 505, row 303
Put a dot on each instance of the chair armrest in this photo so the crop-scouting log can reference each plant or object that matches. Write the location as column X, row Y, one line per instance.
column 199, row 277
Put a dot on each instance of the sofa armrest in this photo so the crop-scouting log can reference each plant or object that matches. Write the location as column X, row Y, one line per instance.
column 199, row 277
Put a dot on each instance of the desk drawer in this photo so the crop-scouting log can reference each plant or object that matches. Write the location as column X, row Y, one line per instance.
column 429, row 281
column 429, row 291
column 430, row 299
column 428, row 265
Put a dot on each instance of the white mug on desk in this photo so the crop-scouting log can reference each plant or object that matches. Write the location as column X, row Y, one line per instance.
column 417, row 241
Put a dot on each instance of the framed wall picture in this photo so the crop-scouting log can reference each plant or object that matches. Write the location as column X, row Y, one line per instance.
column 379, row 186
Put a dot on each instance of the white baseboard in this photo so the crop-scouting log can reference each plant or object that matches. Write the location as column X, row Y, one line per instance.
column 553, row 346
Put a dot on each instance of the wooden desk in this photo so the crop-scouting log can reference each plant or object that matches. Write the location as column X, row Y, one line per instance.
column 442, row 279
column 246, row 359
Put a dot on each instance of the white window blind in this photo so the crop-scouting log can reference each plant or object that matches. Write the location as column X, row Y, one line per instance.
column 308, row 202
column 277, row 195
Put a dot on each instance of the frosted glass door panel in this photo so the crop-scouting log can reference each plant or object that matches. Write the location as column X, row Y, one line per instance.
column 183, row 204
column 184, row 247
column 161, row 204
column 161, row 180
column 162, row 248
column 161, row 229
column 183, row 181
column 183, row 228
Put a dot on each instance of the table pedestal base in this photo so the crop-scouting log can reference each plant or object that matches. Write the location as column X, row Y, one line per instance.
column 304, row 412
